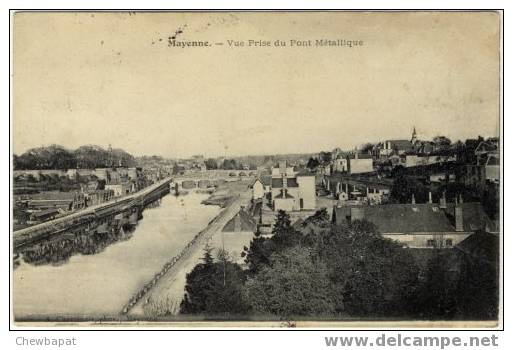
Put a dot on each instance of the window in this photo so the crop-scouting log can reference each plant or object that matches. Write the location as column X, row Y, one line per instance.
column 448, row 242
column 430, row 242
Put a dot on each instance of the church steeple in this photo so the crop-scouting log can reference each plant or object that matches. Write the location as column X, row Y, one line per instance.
column 414, row 136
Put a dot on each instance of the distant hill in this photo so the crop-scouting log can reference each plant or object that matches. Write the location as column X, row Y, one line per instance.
column 59, row 157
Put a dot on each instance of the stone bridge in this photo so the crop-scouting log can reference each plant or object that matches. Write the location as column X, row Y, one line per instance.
column 210, row 178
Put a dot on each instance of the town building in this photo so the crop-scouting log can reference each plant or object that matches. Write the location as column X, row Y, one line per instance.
column 241, row 222
column 120, row 188
column 350, row 191
column 95, row 197
column 412, row 160
column 486, row 169
column 324, row 169
column 339, row 165
column 428, row 225
column 63, row 201
column 291, row 191
column 359, row 163
column 261, row 187
column 398, row 147
column 43, row 215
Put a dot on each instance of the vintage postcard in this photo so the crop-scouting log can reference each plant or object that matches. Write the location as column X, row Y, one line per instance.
column 256, row 169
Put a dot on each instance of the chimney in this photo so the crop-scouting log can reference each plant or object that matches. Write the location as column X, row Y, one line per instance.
column 357, row 213
column 412, row 199
column 283, row 166
column 430, row 198
column 443, row 203
column 458, row 218
column 347, row 189
column 461, row 199
column 367, row 188
column 284, row 182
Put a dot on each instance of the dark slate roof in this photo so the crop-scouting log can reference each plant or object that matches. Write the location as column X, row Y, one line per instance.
column 241, row 222
column 407, row 218
column 404, row 145
column 265, row 180
column 44, row 213
column 278, row 182
column 53, row 195
column 474, row 217
column 305, row 172
column 403, row 218
column 280, row 195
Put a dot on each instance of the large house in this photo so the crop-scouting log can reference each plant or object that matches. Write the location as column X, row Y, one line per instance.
column 359, row 163
column 261, row 187
column 428, row 225
column 65, row 201
column 291, row 191
column 486, row 169
column 120, row 187
column 398, row 147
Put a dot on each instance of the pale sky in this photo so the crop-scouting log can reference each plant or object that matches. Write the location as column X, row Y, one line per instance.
column 106, row 78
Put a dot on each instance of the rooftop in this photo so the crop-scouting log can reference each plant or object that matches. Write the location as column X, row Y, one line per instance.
column 241, row 222
column 278, row 182
column 421, row 218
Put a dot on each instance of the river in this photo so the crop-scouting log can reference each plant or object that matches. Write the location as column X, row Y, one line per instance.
column 97, row 285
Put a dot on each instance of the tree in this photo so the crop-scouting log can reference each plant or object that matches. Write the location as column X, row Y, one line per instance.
column 211, row 164
column 284, row 235
column 370, row 275
column 313, row 226
column 258, row 254
column 405, row 188
column 260, row 249
column 325, row 156
column 177, row 169
column 367, row 147
column 214, row 288
column 313, row 163
column 229, row 164
column 293, row 285
column 441, row 141
column 58, row 157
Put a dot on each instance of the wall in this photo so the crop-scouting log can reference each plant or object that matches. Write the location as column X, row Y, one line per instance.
column 340, row 165
column 287, row 204
column 258, row 190
column 307, row 191
column 493, row 173
column 419, row 240
column 357, row 166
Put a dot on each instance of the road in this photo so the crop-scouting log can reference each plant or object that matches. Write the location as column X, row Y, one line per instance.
column 170, row 288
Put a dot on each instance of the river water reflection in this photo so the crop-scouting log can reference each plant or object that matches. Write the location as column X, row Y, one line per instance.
column 100, row 284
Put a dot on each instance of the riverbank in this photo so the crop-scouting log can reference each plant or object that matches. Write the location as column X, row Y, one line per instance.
column 99, row 285
column 163, row 294
column 226, row 192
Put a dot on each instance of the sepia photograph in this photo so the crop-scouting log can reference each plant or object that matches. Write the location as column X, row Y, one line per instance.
column 288, row 169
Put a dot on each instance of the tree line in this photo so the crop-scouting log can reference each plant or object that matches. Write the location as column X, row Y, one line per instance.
column 58, row 157
column 339, row 272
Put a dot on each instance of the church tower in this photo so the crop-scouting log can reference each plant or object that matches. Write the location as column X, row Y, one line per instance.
column 414, row 136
